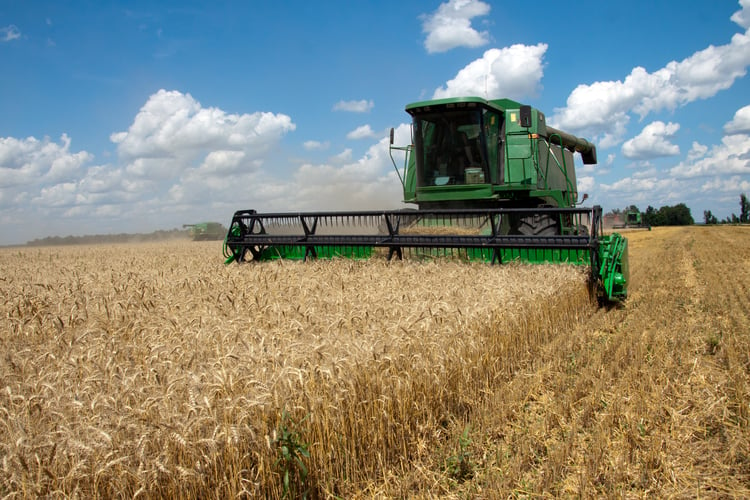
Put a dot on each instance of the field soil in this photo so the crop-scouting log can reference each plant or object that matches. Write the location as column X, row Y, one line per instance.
column 153, row 370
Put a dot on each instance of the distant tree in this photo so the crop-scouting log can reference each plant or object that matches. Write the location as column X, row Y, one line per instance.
column 678, row 215
column 744, row 209
column 709, row 218
column 735, row 219
column 654, row 217
column 632, row 208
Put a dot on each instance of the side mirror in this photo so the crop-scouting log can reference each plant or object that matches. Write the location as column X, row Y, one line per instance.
column 525, row 113
column 392, row 136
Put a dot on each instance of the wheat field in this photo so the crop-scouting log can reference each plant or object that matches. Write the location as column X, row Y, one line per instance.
column 153, row 370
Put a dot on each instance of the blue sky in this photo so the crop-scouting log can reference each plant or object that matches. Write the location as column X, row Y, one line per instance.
column 137, row 116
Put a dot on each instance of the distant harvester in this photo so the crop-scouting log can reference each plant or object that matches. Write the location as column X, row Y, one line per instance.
column 205, row 231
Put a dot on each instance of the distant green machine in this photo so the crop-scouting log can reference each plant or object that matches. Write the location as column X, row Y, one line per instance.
column 633, row 220
column 491, row 171
column 204, row 231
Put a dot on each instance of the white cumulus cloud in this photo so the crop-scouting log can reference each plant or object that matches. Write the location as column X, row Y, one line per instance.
column 512, row 72
column 733, row 185
column 450, row 26
column 742, row 17
column 362, row 106
column 223, row 162
column 316, row 145
column 172, row 124
column 602, row 109
column 740, row 124
column 342, row 157
column 731, row 157
column 585, row 183
column 363, row 132
column 652, row 142
column 367, row 183
column 178, row 160
column 642, row 186
column 697, row 150
column 30, row 161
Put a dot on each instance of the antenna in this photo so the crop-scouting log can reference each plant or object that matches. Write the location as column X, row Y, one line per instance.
column 487, row 70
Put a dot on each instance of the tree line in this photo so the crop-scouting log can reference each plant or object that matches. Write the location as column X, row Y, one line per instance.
column 679, row 215
column 743, row 218
column 676, row 215
column 89, row 239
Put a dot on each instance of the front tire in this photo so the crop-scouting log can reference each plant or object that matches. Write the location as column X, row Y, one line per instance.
column 538, row 225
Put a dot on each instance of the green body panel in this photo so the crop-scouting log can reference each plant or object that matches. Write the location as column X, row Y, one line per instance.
column 462, row 192
column 520, row 154
column 527, row 255
column 509, row 195
column 292, row 252
column 614, row 267
column 410, row 177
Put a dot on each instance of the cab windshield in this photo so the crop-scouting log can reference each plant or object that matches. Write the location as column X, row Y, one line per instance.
column 450, row 148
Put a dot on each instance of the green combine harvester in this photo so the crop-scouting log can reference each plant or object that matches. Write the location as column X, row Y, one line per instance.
column 633, row 220
column 204, row 231
column 490, row 181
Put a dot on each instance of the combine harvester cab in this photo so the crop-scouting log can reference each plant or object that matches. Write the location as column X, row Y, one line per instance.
column 491, row 182
column 633, row 220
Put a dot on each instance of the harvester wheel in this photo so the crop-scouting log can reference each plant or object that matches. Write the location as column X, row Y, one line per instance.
column 538, row 225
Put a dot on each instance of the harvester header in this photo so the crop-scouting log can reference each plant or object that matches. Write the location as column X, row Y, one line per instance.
column 490, row 181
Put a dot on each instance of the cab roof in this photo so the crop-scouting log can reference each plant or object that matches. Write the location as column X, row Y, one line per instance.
column 497, row 104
